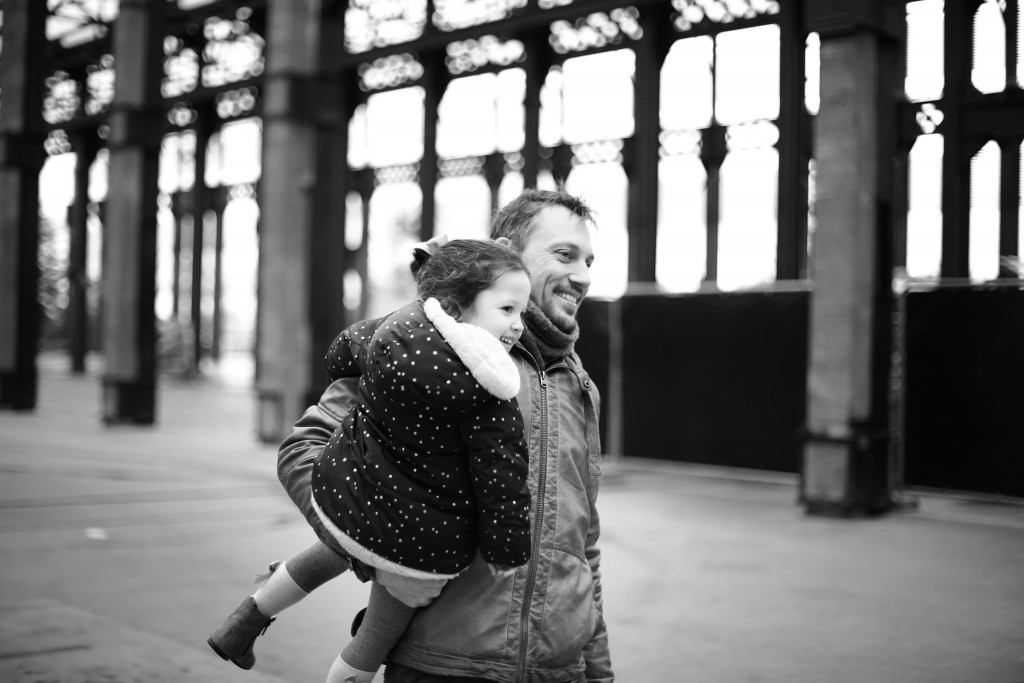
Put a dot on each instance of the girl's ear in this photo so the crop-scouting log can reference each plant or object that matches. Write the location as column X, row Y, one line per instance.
column 450, row 307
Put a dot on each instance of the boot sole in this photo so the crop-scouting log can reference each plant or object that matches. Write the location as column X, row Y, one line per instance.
column 220, row 653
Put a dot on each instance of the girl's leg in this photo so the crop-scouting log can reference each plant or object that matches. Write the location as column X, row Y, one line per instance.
column 297, row 577
column 288, row 583
column 384, row 623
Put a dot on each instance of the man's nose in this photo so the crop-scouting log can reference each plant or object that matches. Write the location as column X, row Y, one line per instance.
column 580, row 276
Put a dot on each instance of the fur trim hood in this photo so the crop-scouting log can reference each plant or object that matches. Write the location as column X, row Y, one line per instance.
column 484, row 356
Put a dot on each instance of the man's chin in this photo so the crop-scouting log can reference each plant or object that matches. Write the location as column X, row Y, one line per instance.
column 561, row 318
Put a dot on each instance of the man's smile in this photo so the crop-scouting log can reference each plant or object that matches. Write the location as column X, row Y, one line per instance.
column 574, row 299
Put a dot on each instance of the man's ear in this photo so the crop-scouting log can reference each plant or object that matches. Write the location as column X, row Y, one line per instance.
column 505, row 242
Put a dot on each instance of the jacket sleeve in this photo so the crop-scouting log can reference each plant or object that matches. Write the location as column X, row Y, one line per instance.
column 498, row 468
column 596, row 653
column 310, row 434
column 308, row 437
column 344, row 357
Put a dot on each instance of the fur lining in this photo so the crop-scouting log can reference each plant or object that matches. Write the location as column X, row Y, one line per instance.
column 482, row 353
column 371, row 558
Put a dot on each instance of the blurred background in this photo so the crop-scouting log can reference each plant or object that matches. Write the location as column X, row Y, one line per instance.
column 809, row 221
column 811, row 211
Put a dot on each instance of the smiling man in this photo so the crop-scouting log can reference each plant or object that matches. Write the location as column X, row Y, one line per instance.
column 545, row 624
column 552, row 232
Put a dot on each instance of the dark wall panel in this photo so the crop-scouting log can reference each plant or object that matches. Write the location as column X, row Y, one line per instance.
column 965, row 390
column 721, row 379
column 708, row 378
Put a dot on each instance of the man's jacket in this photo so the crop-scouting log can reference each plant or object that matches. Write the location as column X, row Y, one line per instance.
column 545, row 624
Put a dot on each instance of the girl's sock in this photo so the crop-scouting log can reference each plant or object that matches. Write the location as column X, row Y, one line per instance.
column 278, row 592
column 342, row 673
column 383, row 624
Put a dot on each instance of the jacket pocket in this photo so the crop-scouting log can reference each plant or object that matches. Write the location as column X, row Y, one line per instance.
column 570, row 613
column 470, row 618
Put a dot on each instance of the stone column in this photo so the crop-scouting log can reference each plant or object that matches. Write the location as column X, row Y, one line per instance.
column 284, row 330
column 129, row 250
column 21, row 158
column 846, row 455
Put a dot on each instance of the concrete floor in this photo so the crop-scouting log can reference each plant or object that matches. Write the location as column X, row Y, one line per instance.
column 121, row 548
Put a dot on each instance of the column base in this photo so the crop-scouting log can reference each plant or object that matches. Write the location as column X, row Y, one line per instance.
column 18, row 390
column 270, row 416
column 846, row 476
column 129, row 403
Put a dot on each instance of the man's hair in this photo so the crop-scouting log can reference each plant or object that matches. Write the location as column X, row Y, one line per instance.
column 460, row 270
column 518, row 218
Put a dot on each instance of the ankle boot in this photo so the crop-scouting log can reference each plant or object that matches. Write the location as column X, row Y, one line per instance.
column 234, row 639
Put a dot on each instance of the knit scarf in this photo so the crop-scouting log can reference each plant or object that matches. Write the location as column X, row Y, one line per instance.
column 543, row 338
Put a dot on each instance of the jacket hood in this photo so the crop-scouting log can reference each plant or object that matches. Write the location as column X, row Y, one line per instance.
column 484, row 356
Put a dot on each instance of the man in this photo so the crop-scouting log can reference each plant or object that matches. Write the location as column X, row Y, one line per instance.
column 546, row 624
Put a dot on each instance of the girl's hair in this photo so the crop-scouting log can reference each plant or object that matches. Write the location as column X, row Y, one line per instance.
column 460, row 270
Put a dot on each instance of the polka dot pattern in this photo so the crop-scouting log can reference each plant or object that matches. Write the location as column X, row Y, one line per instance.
column 428, row 468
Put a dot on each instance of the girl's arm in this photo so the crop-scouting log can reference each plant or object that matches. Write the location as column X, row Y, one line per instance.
column 498, row 470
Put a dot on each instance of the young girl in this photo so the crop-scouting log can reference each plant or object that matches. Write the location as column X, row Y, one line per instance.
column 429, row 467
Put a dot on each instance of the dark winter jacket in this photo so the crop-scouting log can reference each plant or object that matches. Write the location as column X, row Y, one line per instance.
column 545, row 624
column 430, row 466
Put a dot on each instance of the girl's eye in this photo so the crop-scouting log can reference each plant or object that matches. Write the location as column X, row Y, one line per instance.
column 507, row 309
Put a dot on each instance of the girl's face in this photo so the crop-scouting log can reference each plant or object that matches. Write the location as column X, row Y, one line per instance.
column 499, row 308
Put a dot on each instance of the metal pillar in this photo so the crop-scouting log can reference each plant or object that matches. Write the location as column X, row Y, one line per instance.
column 129, row 258
column 713, row 156
column 537, row 65
column 329, row 259
column 794, row 147
column 956, row 160
column 845, row 464
column 434, row 83
column 642, row 149
column 200, row 205
column 21, row 158
column 85, row 145
column 220, row 202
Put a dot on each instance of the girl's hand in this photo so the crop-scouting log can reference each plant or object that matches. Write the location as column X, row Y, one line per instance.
column 499, row 572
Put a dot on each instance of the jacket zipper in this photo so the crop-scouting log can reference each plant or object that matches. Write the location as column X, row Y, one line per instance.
column 531, row 576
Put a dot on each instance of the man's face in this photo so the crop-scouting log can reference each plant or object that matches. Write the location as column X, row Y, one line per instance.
column 558, row 252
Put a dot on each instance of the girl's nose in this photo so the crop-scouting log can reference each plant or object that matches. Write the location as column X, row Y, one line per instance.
column 517, row 324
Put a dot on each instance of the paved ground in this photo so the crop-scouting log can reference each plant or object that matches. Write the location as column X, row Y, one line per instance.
column 121, row 548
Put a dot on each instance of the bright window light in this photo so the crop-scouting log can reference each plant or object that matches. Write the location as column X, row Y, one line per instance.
column 925, row 51
column 682, row 223
column 924, row 209
column 747, row 73
column 394, row 127
column 599, row 96
column 687, row 84
column 604, row 187
column 988, row 72
column 983, row 253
